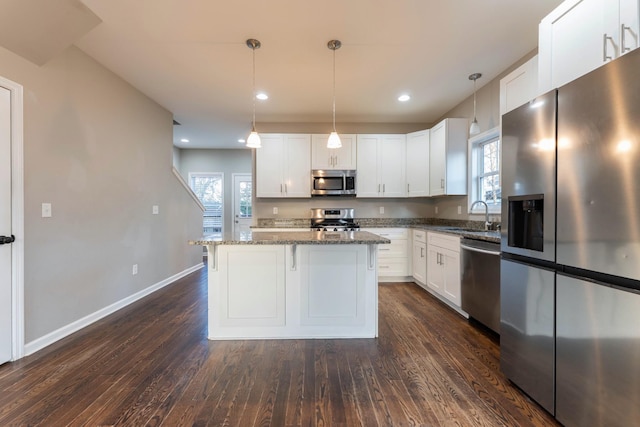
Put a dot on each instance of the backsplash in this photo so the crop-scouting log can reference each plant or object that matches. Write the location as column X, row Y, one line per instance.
column 373, row 222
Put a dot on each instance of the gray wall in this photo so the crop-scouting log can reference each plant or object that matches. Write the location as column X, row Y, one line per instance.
column 100, row 152
column 226, row 161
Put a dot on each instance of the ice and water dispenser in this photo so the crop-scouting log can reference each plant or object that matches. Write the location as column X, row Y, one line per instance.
column 526, row 225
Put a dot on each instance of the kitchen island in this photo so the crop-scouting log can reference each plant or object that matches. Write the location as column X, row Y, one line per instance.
column 307, row 284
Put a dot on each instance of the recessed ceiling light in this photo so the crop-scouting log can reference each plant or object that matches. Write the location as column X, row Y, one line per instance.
column 404, row 98
column 242, row 140
column 184, row 140
column 262, row 96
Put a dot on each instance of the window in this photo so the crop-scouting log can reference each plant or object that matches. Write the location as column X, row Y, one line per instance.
column 484, row 174
column 208, row 187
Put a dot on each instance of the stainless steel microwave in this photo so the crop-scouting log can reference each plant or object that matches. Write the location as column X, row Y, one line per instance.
column 333, row 182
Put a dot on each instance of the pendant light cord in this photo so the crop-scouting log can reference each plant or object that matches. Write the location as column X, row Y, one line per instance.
column 474, row 99
column 334, row 90
column 253, row 123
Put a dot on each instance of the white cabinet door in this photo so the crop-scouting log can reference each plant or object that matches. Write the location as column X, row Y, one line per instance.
column 519, row 86
column 269, row 167
column 435, row 272
column 327, row 272
column 581, row 35
column 392, row 157
column 418, row 164
column 367, row 153
column 283, row 166
column 443, row 266
column 338, row 158
column 420, row 262
column 448, row 158
column 297, row 175
column 451, row 274
column 394, row 259
column 253, row 295
column 381, row 165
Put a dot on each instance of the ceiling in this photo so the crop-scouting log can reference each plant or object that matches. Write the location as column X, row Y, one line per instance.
column 190, row 56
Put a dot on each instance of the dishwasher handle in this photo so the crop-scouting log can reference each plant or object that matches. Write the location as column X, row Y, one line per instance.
column 482, row 251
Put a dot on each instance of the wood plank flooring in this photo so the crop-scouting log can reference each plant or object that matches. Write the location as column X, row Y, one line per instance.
column 151, row 364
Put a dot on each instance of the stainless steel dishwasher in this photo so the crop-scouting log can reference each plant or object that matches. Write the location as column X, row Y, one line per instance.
column 480, row 266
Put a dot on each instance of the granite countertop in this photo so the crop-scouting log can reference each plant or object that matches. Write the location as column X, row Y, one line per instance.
column 461, row 228
column 255, row 237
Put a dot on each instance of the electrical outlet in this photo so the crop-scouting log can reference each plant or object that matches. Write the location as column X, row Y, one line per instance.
column 134, row 271
column 459, row 209
column 275, row 210
column 46, row 210
column 436, row 210
column 155, row 210
column 381, row 210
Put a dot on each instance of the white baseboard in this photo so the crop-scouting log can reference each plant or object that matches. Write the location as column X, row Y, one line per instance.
column 50, row 338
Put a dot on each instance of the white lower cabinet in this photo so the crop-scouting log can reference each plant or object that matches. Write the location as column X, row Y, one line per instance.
column 394, row 260
column 249, row 296
column 443, row 266
column 419, row 264
column 292, row 291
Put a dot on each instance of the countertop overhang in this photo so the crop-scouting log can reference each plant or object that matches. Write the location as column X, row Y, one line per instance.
column 292, row 238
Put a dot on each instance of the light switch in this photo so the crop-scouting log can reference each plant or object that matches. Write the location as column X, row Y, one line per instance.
column 46, row 210
column 459, row 210
column 275, row 211
column 436, row 210
column 381, row 210
column 155, row 209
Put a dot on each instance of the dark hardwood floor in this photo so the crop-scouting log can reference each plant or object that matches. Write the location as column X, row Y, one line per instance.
column 151, row 364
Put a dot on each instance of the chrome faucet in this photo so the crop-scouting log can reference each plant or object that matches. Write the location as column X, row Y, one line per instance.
column 487, row 224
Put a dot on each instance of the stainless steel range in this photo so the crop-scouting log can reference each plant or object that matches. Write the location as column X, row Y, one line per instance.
column 341, row 219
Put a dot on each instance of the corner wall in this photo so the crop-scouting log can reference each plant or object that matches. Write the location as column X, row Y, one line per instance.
column 100, row 152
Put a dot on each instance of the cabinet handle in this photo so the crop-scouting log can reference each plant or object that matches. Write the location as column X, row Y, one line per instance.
column 383, row 188
column 623, row 30
column 421, row 252
column 281, row 188
column 285, row 188
column 378, row 188
column 293, row 257
column 407, row 187
column 442, row 183
column 605, row 56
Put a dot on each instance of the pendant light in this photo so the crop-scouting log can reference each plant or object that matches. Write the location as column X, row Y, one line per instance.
column 253, row 141
column 474, row 129
column 334, row 138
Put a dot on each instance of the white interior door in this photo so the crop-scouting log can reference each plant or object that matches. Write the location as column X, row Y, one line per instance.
column 242, row 209
column 5, row 225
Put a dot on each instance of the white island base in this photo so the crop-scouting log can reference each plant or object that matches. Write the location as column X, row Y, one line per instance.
column 292, row 291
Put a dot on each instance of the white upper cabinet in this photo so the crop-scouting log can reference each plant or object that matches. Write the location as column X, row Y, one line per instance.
column 581, row 35
column 519, row 86
column 381, row 166
column 334, row 158
column 448, row 158
column 418, row 164
column 283, row 166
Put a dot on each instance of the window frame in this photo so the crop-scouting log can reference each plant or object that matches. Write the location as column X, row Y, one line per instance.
column 474, row 145
column 220, row 175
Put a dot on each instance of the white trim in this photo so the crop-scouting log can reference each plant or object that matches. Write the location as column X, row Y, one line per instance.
column 471, row 181
column 186, row 187
column 50, row 338
column 17, row 217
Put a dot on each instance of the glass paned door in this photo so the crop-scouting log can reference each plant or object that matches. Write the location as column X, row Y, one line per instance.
column 242, row 206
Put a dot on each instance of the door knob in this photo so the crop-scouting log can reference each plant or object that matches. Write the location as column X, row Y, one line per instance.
column 6, row 239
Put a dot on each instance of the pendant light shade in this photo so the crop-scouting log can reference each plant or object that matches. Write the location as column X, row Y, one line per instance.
column 334, row 138
column 253, row 141
column 474, row 129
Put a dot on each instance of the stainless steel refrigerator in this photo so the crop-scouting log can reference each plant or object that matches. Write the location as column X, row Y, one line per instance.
column 570, row 268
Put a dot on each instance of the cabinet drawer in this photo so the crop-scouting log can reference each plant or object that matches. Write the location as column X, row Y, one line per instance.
column 444, row 241
column 396, row 249
column 392, row 267
column 390, row 233
column 420, row 236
